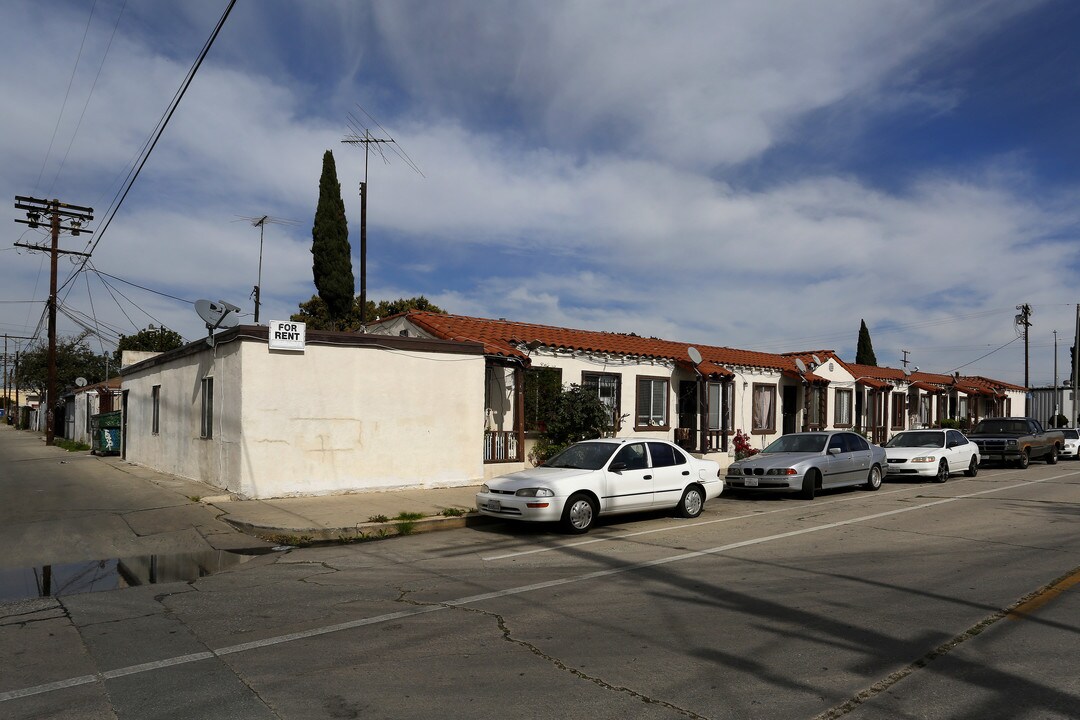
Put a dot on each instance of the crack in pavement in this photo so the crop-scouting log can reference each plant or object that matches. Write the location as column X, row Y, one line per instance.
column 1016, row 609
column 507, row 635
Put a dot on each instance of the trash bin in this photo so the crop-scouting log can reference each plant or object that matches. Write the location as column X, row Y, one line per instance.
column 105, row 433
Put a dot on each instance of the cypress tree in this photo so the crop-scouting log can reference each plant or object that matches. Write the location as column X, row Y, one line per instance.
column 864, row 354
column 332, row 255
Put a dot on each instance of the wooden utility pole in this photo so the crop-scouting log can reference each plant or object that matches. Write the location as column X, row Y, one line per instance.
column 76, row 216
column 1024, row 321
column 366, row 140
column 14, row 377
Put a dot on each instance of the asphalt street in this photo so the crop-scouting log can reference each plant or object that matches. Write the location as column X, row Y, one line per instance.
column 917, row 601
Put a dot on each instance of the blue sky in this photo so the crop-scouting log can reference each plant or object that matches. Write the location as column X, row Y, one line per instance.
column 759, row 175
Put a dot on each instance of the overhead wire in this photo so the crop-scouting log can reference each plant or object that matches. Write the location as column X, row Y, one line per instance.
column 67, row 93
column 93, row 86
column 133, row 174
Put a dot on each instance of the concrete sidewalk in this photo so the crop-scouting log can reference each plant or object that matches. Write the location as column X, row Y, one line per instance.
column 352, row 517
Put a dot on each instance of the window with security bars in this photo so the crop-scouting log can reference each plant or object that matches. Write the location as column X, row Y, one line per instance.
column 899, row 410
column 715, row 404
column 155, row 397
column 815, row 412
column 843, row 403
column 207, row 413
column 607, row 387
column 652, row 403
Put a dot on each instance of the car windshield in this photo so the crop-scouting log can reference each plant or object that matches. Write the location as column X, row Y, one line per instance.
column 917, row 440
column 1072, row 434
column 583, row 456
column 990, row 427
column 810, row 443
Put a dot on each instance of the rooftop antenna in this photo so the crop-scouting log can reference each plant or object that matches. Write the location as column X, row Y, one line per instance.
column 260, row 222
column 362, row 135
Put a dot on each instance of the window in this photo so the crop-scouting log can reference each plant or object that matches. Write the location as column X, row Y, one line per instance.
column 207, row 408
column 899, row 407
column 962, row 407
column 652, row 403
column 634, row 457
column 715, row 405
column 924, row 410
column 542, row 387
column 815, row 410
column 764, row 410
column 155, row 398
column 843, row 401
column 664, row 455
column 607, row 386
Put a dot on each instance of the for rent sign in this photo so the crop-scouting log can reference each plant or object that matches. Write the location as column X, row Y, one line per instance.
column 287, row 335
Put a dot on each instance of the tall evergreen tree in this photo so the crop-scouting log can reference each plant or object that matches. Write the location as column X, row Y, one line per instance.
column 864, row 354
column 332, row 255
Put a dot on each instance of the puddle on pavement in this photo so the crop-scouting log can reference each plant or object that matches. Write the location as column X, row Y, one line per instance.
column 100, row 575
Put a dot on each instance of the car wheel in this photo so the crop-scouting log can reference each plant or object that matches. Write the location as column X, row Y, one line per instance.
column 579, row 514
column 973, row 467
column 808, row 485
column 873, row 480
column 692, row 503
column 1025, row 460
column 942, row 471
column 1053, row 457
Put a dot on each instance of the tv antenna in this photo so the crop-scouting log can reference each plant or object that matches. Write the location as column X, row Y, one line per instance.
column 362, row 135
column 261, row 221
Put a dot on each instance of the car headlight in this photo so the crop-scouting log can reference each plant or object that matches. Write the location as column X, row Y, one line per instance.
column 782, row 471
column 924, row 458
column 484, row 488
column 534, row 492
column 1010, row 443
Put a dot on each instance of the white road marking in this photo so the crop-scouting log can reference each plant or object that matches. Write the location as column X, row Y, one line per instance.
column 683, row 526
column 325, row 630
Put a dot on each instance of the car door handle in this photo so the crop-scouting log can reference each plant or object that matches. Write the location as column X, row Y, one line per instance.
column 685, row 472
column 648, row 477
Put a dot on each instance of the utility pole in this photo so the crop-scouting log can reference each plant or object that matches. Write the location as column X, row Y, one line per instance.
column 366, row 140
column 1023, row 320
column 1074, row 417
column 76, row 216
column 14, row 377
column 1057, row 406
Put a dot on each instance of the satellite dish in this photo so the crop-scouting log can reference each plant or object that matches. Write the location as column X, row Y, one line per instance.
column 817, row 360
column 218, row 315
column 695, row 356
column 80, row 382
column 801, row 365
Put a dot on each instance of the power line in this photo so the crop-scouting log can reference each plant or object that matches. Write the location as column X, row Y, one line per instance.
column 63, row 105
column 152, row 143
column 141, row 287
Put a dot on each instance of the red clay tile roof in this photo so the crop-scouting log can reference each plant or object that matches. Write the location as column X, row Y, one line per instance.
column 504, row 337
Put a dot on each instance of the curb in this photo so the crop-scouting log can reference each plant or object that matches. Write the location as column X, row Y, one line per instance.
column 361, row 532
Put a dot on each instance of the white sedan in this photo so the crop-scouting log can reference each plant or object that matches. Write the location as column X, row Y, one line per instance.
column 602, row 477
column 932, row 453
column 1071, row 448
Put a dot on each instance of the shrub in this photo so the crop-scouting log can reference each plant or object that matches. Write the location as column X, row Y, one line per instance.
column 576, row 414
column 741, row 442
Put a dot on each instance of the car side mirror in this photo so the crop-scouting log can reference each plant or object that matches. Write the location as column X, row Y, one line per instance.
column 617, row 466
column 834, row 451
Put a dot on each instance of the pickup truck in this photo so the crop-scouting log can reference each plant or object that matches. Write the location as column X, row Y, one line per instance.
column 1017, row 440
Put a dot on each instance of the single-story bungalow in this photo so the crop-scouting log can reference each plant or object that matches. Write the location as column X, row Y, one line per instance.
column 427, row 399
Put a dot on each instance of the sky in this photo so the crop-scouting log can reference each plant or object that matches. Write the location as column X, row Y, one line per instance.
column 752, row 174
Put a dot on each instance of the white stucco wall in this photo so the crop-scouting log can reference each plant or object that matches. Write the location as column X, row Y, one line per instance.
column 335, row 418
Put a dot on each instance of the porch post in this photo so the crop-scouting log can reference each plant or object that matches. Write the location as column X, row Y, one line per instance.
column 724, row 410
column 703, row 419
column 519, row 410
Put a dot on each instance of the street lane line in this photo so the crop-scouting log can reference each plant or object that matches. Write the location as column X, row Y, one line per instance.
column 445, row 605
column 683, row 526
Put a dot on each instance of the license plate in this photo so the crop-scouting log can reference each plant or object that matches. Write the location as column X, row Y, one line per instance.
column 494, row 506
column 751, row 482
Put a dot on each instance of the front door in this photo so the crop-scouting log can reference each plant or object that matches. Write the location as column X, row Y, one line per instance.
column 688, row 415
column 790, row 408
